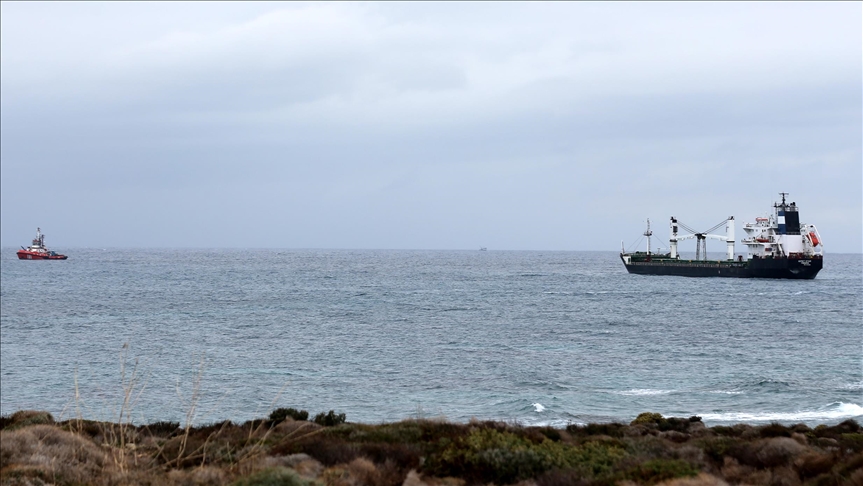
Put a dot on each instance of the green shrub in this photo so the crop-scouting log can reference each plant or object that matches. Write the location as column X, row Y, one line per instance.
column 853, row 441
column 658, row 470
column 329, row 419
column 489, row 455
column 724, row 430
column 408, row 431
column 401, row 456
column 611, row 429
column 504, row 457
column 561, row 477
column 280, row 414
column 836, row 431
column 774, row 430
column 89, row 428
column 162, row 427
column 665, row 424
column 328, row 452
column 716, row 448
column 596, row 459
column 551, row 433
column 675, row 424
column 24, row 418
column 647, row 418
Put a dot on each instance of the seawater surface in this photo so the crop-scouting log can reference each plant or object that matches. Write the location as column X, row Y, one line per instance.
column 535, row 337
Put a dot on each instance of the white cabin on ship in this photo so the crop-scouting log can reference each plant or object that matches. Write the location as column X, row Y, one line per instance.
column 782, row 235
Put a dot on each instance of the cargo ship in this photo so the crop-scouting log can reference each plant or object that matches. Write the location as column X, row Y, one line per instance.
column 778, row 246
column 38, row 251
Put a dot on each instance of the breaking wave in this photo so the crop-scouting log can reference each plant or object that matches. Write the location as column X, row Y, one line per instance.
column 636, row 392
column 833, row 411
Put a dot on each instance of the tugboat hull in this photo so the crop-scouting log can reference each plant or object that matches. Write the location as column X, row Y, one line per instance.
column 29, row 255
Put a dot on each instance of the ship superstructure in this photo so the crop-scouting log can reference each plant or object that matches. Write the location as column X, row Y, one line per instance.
column 778, row 246
column 782, row 234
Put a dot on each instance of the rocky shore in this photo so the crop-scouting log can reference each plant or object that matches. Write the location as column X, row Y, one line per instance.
column 287, row 449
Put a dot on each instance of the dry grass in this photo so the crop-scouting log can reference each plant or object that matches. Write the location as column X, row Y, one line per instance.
column 36, row 450
column 48, row 453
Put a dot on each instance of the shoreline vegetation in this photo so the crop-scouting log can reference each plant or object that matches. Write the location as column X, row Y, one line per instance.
column 288, row 448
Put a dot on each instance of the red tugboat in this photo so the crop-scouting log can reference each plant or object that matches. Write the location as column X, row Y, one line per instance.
column 38, row 251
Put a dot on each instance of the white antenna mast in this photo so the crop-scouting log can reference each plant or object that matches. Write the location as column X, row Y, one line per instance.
column 648, row 234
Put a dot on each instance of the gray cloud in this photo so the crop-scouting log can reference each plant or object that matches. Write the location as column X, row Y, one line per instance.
column 425, row 125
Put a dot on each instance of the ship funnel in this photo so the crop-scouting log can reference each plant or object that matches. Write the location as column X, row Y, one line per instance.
column 672, row 242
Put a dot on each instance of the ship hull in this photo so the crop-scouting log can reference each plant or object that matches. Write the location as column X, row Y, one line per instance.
column 32, row 255
column 785, row 268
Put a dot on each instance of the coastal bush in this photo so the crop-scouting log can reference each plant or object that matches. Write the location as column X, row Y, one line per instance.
column 854, row 463
column 363, row 471
column 717, row 448
column 666, row 424
column 89, row 428
column 489, row 455
column 199, row 476
column 813, row 464
column 550, row 432
column 432, row 431
column 327, row 451
column 658, row 470
column 408, row 431
column 777, row 451
column 281, row 414
column 846, row 436
column 24, row 418
column 330, row 419
column 678, row 424
column 274, row 476
column 505, row 456
column 408, row 456
column 45, row 451
column 597, row 458
column 724, row 430
column 852, row 442
column 650, row 447
column 160, row 428
column 645, row 418
column 610, row 429
column 218, row 443
column 774, row 430
column 80, row 451
column 400, row 443
column 561, row 477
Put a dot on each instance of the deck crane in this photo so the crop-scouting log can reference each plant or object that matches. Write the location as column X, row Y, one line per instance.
column 701, row 238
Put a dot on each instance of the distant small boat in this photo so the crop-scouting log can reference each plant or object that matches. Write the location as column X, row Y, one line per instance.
column 483, row 249
column 38, row 251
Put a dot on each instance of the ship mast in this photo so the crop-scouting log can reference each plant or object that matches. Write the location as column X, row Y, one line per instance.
column 648, row 234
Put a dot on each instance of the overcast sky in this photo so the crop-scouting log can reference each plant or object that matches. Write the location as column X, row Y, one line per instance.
column 520, row 126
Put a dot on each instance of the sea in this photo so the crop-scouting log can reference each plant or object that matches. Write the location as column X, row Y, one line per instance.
column 527, row 337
